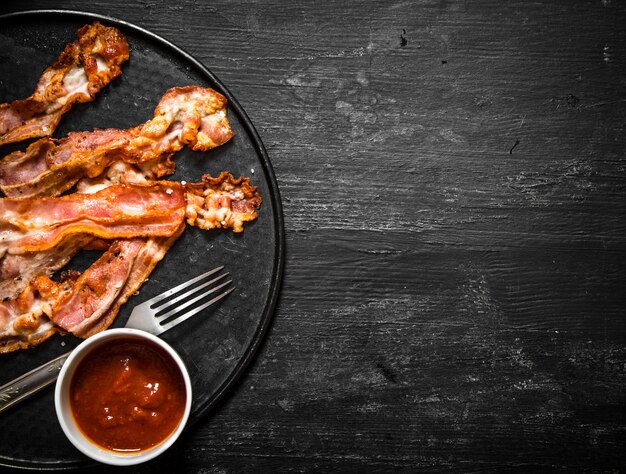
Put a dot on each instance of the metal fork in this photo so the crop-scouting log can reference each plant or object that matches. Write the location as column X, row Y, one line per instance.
column 157, row 315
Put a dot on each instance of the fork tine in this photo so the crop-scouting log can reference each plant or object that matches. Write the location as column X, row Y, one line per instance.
column 179, row 308
column 194, row 311
column 166, row 304
column 171, row 291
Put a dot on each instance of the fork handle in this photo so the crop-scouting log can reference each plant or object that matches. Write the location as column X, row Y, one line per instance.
column 31, row 382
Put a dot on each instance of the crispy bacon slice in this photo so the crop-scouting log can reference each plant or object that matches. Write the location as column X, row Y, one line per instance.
column 80, row 297
column 83, row 304
column 93, row 301
column 222, row 202
column 84, row 67
column 185, row 116
column 123, row 211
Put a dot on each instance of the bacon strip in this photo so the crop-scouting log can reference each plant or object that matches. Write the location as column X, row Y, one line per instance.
column 222, row 202
column 185, row 116
column 96, row 297
column 81, row 304
column 80, row 297
column 78, row 300
column 123, row 211
column 84, row 67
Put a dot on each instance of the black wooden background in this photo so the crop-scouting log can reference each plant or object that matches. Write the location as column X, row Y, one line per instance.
column 454, row 187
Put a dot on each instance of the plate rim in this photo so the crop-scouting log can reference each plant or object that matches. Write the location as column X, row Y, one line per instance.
column 277, row 210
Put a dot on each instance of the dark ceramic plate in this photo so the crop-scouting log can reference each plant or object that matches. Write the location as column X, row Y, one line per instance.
column 217, row 345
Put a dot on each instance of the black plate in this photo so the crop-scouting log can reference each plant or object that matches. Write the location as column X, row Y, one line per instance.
column 217, row 345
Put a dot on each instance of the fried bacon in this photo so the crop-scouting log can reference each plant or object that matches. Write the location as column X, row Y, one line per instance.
column 123, row 211
column 222, row 202
column 185, row 116
column 82, row 304
column 88, row 303
column 84, row 67
column 95, row 297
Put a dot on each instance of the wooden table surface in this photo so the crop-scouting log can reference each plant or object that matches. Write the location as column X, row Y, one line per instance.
column 454, row 188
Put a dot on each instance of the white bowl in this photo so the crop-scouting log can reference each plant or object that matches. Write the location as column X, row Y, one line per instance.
column 64, row 413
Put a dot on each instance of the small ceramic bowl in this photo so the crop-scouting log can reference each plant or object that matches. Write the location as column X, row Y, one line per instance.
column 64, row 411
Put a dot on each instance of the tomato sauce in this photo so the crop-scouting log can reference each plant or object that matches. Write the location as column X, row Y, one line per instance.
column 127, row 395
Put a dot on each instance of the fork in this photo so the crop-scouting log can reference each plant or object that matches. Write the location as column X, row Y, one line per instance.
column 156, row 316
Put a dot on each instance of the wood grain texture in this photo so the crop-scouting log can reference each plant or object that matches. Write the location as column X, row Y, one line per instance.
column 454, row 187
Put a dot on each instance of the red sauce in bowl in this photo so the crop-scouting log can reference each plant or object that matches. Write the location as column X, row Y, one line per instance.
column 127, row 395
